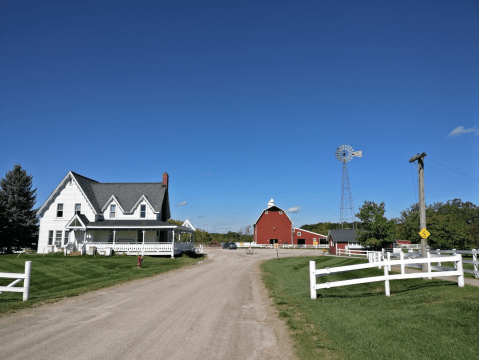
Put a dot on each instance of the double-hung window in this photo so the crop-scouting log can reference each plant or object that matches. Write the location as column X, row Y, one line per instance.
column 65, row 239
column 59, row 210
column 112, row 211
column 58, row 238
column 143, row 211
column 110, row 237
column 50, row 237
column 77, row 209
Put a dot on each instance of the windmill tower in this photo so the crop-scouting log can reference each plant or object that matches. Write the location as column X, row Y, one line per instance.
column 345, row 153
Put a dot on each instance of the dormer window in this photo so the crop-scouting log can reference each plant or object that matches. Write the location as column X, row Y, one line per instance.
column 59, row 210
column 143, row 211
column 77, row 209
column 112, row 211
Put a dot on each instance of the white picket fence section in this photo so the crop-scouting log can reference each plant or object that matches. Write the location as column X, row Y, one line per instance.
column 19, row 277
column 314, row 273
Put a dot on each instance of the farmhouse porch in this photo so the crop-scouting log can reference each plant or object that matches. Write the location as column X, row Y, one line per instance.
column 131, row 237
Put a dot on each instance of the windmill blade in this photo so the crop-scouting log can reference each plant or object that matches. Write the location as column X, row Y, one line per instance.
column 357, row 153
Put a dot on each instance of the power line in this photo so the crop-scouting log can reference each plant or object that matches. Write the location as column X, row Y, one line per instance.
column 454, row 170
column 453, row 177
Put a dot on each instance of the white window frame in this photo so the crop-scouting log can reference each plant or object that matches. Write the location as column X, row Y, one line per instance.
column 51, row 236
column 59, row 241
column 266, row 212
column 299, row 233
column 79, row 211
column 58, row 210
column 113, row 211
column 280, row 212
column 141, row 205
column 65, row 237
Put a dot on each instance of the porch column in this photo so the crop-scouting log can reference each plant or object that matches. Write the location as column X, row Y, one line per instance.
column 173, row 245
column 144, row 237
column 114, row 236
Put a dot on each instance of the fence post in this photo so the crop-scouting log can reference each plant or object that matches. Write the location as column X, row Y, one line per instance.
column 401, row 257
column 386, row 282
column 312, row 279
column 378, row 257
column 439, row 253
column 454, row 253
column 460, row 278
column 26, row 282
column 389, row 259
column 474, row 258
column 429, row 266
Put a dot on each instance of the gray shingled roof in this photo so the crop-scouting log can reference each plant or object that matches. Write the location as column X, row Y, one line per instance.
column 134, row 224
column 343, row 235
column 127, row 194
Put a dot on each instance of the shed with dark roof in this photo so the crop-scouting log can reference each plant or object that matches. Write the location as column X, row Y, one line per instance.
column 342, row 239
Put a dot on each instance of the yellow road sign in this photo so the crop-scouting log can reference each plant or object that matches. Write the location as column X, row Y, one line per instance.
column 315, row 243
column 275, row 246
column 424, row 233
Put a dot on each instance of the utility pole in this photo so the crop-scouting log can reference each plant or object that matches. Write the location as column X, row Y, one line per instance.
column 422, row 203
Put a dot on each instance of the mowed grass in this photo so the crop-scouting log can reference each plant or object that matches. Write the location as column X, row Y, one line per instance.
column 55, row 276
column 423, row 319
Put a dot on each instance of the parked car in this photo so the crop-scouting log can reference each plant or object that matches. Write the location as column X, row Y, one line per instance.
column 229, row 245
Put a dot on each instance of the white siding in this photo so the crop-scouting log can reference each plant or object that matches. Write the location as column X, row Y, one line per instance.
column 68, row 195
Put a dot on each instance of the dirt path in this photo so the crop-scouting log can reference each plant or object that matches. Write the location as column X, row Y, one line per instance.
column 215, row 310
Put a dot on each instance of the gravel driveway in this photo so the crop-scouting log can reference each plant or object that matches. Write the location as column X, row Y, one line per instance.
column 215, row 310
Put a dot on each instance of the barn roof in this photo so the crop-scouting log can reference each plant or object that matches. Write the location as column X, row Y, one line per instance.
column 343, row 235
column 312, row 232
column 272, row 207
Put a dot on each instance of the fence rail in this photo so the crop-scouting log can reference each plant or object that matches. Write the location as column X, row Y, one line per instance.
column 314, row 273
column 283, row 246
column 19, row 277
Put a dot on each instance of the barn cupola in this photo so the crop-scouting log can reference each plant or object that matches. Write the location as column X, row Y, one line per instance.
column 271, row 203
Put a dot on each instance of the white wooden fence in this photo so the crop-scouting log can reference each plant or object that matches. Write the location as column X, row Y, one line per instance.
column 19, row 277
column 284, row 246
column 386, row 277
column 472, row 252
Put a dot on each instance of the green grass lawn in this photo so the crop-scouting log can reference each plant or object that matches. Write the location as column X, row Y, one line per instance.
column 55, row 276
column 423, row 319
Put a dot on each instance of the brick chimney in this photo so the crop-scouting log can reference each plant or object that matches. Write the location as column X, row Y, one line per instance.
column 165, row 179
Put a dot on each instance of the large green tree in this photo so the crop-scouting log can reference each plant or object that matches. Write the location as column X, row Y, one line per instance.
column 18, row 219
column 453, row 225
column 377, row 231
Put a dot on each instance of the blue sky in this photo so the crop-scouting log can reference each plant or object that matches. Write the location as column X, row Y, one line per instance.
column 244, row 101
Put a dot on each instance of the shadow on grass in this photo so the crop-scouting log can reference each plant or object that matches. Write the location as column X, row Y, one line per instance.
column 381, row 293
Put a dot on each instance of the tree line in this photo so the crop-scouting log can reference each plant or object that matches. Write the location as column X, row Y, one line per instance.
column 453, row 225
column 204, row 237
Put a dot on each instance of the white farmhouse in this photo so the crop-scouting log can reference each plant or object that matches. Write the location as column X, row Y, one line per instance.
column 82, row 214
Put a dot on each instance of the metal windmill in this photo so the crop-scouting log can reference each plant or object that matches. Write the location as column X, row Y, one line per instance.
column 345, row 153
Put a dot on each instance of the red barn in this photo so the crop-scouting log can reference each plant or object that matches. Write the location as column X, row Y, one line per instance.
column 306, row 237
column 273, row 226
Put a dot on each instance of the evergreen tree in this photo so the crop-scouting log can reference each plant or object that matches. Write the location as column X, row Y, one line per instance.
column 18, row 221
